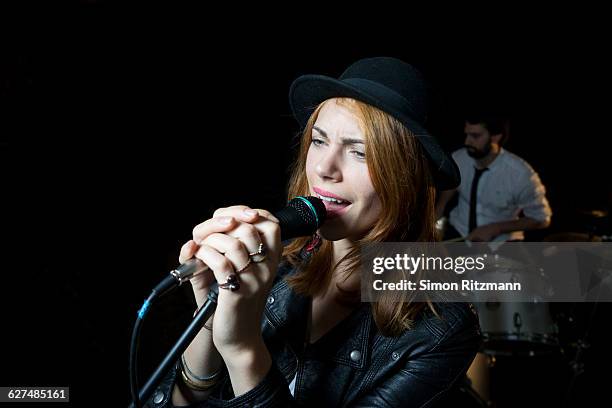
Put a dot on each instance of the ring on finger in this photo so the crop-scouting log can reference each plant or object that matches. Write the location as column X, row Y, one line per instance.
column 232, row 283
column 259, row 255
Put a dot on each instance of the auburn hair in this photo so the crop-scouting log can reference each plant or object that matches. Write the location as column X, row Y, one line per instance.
column 402, row 179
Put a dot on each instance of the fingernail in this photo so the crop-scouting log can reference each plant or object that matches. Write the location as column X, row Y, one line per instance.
column 250, row 212
column 224, row 220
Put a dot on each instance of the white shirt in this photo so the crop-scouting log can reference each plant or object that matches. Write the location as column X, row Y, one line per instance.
column 292, row 385
column 509, row 186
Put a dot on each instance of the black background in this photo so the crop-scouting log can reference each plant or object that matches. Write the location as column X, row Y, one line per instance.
column 123, row 126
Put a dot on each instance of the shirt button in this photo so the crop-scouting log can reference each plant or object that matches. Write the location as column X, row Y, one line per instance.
column 158, row 397
column 270, row 300
column 395, row 355
column 355, row 355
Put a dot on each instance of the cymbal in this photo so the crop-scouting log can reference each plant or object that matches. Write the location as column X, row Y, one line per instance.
column 594, row 213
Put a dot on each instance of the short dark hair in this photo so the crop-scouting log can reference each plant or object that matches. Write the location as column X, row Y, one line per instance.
column 493, row 123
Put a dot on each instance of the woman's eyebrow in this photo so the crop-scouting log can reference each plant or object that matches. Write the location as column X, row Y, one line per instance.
column 345, row 141
column 348, row 141
column 321, row 131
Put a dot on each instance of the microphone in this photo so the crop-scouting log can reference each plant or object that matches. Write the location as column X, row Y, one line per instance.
column 302, row 216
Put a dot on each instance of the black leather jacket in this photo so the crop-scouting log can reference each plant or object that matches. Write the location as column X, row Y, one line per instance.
column 353, row 364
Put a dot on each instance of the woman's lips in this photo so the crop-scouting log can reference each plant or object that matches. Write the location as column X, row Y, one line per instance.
column 335, row 209
column 326, row 193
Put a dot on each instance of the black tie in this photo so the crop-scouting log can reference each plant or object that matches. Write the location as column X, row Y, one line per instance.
column 473, row 197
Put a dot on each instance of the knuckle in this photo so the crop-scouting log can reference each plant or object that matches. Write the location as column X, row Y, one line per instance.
column 237, row 209
column 225, row 264
column 251, row 231
column 275, row 228
column 201, row 229
column 215, row 265
column 219, row 211
column 209, row 240
column 235, row 245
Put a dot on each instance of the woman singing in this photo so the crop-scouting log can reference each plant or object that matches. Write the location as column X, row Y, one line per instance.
column 290, row 328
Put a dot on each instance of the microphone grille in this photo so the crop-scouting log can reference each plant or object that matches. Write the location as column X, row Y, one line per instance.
column 301, row 217
column 310, row 209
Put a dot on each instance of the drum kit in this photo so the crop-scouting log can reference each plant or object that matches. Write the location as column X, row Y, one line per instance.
column 528, row 338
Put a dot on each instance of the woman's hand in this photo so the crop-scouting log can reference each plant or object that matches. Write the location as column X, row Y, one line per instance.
column 225, row 248
column 201, row 282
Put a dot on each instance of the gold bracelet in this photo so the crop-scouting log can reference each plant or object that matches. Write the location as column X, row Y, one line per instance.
column 195, row 386
column 196, row 377
column 198, row 383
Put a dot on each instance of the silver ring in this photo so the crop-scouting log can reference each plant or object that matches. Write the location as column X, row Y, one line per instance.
column 232, row 284
column 259, row 255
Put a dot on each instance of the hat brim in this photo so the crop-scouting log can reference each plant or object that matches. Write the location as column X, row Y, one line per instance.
column 308, row 91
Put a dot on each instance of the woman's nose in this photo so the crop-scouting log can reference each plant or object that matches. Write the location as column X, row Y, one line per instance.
column 328, row 166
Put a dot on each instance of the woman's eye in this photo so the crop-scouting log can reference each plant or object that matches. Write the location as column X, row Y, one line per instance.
column 358, row 154
column 317, row 142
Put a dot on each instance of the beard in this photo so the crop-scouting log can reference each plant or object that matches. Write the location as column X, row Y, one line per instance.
column 478, row 153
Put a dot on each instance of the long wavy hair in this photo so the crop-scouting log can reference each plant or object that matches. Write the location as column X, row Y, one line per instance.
column 401, row 177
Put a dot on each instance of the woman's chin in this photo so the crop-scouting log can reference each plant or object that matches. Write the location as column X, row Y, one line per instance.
column 337, row 229
column 332, row 233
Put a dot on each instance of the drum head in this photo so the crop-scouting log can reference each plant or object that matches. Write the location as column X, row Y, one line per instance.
column 516, row 328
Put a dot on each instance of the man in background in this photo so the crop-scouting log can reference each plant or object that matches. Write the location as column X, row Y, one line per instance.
column 500, row 195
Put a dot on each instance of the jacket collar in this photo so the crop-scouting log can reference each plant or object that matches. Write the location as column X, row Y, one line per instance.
column 347, row 343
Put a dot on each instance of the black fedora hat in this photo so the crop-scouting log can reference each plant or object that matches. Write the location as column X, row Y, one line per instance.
column 388, row 84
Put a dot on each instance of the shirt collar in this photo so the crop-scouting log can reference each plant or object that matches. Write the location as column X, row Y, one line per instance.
column 497, row 160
